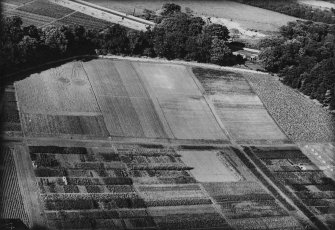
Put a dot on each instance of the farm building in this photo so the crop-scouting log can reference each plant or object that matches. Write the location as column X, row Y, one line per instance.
column 249, row 54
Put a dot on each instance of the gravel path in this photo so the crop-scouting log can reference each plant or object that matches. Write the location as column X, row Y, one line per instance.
column 299, row 117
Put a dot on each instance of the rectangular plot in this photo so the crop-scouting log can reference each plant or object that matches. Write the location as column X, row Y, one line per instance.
column 150, row 122
column 40, row 124
column 191, row 118
column 173, row 78
column 130, row 79
column 105, row 81
column 208, row 167
column 254, row 131
column 245, row 115
column 62, row 89
column 120, row 116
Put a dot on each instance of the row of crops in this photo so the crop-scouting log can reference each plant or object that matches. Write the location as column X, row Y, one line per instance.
column 299, row 178
column 118, row 187
column 10, row 114
column 42, row 12
column 11, row 200
column 247, row 205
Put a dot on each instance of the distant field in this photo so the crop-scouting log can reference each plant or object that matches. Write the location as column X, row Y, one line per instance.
column 46, row 8
column 318, row 4
column 249, row 17
column 238, row 107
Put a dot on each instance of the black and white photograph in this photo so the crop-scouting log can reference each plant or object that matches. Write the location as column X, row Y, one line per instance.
column 167, row 114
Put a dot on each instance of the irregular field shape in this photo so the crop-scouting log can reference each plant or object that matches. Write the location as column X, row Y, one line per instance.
column 184, row 108
column 57, row 91
column 208, row 167
column 41, row 124
column 127, row 109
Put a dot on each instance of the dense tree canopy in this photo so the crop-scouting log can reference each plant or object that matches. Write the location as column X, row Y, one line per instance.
column 304, row 56
column 177, row 35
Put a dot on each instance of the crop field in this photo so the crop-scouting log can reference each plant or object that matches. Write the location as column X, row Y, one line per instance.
column 11, row 201
column 29, row 18
column 102, row 189
column 68, row 106
column 299, row 117
column 247, row 16
column 10, row 117
column 294, row 172
column 16, row 2
column 185, row 109
column 84, row 20
column 46, row 8
column 239, row 108
column 247, row 205
column 127, row 109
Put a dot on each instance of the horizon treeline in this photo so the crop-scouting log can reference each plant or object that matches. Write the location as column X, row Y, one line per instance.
column 178, row 35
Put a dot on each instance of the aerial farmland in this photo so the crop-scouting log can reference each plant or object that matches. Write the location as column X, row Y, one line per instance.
column 112, row 142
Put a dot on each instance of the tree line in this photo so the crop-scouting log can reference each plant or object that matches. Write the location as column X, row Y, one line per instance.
column 178, row 35
column 304, row 56
column 295, row 9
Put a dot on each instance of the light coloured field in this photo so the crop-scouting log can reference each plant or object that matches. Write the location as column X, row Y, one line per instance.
column 247, row 16
column 208, row 167
column 322, row 155
column 127, row 109
column 318, row 4
column 238, row 107
column 57, row 91
column 59, row 101
column 185, row 109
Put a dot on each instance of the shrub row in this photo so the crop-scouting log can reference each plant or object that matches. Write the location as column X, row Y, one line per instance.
column 56, row 149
